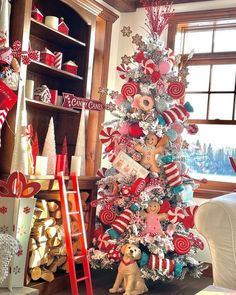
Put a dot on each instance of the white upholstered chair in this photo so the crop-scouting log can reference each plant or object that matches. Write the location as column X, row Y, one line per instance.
column 216, row 222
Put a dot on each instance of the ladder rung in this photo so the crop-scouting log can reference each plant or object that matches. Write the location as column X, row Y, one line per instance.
column 76, row 235
column 74, row 212
column 76, row 257
column 81, row 279
column 71, row 192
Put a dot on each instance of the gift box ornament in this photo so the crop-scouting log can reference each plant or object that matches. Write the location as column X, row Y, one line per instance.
column 62, row 27
column 36, row 14
column 43, row 94
column 70, row 66
column 16, row 212
column 47, row 57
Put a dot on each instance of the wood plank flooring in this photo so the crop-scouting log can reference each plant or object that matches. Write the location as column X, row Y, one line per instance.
column 104, row 279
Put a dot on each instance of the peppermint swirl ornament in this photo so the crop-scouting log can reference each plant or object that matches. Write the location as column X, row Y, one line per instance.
column 123, row 70
column 181, row 244
column 129, row 89
column 107, row 216
column 176, row 89
column 176, row 215
column 107, row 134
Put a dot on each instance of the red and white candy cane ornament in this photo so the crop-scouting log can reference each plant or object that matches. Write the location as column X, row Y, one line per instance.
column 175, row 215
column 123, row 70
column 107, row 216
column 176, row 113
column 148, row 66
column 181, row 244
column 130, row 89
column 122, row 221
column 172, row 174
column 106, row 135
column 176, row 89
column 171, row 56
column 163, row 265
column 58, row 59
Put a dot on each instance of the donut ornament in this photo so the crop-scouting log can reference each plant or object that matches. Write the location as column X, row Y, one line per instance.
column 146, row 103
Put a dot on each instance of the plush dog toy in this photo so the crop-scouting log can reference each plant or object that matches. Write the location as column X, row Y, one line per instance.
column 129, row 274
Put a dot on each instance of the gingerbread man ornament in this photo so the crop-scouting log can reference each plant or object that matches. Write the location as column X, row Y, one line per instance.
column 153, row 218
column 153, row 146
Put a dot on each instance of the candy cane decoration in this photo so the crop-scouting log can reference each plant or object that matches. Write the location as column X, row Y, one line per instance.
column 178, row 112
column 58, row 60
column 163, row 265
column 122, row 221
column 172, row 174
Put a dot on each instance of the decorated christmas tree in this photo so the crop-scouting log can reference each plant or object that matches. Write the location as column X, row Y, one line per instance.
column 146, row 197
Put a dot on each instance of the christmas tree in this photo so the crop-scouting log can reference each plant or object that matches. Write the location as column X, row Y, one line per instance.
column 146, row 197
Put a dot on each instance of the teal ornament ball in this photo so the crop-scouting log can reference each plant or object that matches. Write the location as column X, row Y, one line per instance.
column 134, row 208
column 177, row 189
column 167, row 159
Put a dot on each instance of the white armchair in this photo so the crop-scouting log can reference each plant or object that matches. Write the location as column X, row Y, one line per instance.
column 216, row 221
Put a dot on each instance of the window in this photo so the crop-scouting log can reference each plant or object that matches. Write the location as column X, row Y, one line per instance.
column 211, row 91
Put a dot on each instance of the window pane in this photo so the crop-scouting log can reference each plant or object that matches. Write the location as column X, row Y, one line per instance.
column 225, row 40
column 209, row 151
column 198, row 78
column 199, row 104
column 221, row 106
column 223, row 78
column 199, row 41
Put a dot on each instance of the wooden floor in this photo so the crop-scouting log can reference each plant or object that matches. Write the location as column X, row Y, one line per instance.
column 103, row 280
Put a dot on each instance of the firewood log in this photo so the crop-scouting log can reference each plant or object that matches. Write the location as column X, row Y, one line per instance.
column 56, row 214
column 32, row 244
column 52, row 206
column 35, row 259
column 35, row 273
column 54, row 242
column 47, row 275
column 51, row 231
column 42, row 204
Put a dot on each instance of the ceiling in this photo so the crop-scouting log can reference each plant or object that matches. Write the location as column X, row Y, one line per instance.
column 132, row 5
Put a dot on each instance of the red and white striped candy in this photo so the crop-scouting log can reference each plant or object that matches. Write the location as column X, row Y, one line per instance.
column 178, row 112
column 103, row 241
column 111, row 156
column 101, row 172
column 176, row 89
column 181, row 244
column 107, row 134
column 129, row 89
column 191, row 210
column 175, row 215
column 58, row 60
column 189, row 213
column 163, row 265
column 107, row 216
column 172, row 174
column 171, row 56
column 122, row 221
column 123, row 70
column 148, row 66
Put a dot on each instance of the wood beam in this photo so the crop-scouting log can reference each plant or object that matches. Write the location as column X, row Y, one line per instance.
column 123, row 5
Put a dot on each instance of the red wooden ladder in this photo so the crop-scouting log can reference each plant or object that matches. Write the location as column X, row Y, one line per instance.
column 81, row 234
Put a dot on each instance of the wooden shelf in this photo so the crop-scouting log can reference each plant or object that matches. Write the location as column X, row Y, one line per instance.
column 42, row 68
column 42, row 31
column 47, row 106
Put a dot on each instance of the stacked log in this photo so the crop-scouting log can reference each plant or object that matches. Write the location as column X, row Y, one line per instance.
column 47, row 246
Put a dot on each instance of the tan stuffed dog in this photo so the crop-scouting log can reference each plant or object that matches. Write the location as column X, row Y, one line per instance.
column 129, row 274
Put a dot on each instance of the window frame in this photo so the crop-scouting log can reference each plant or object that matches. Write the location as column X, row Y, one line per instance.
column 211, row 188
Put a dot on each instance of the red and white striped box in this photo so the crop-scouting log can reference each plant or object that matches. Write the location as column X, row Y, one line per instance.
column 58, row 59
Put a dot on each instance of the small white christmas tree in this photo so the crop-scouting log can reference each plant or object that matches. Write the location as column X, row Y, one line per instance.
column 20, row 152
column 49, row 148
column 80, row 143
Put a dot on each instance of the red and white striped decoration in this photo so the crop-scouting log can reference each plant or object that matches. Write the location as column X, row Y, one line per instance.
column 101, row 172
column 122, row 221
column 163, row 265
column 176, row 215
column 148, row 66
column 172, row 174
column 123, row 70
column 58, row 59
column 177, row 113
column 107, row 134
column 189, row 213
column 3, row 115
column 103, row 243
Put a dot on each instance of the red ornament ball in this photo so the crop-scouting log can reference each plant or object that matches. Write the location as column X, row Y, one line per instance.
column 135, row 130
